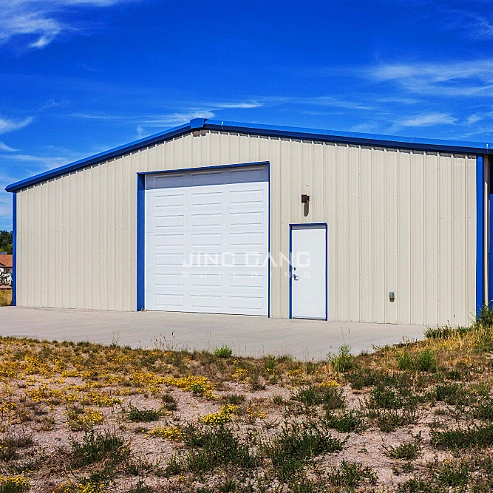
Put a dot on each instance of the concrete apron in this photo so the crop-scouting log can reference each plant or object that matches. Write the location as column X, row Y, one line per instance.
column 246, row 335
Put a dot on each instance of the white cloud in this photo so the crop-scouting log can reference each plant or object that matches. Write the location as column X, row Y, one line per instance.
column 5, row 147
column 9, row 125
column 472, row 78
column 428, row 120
column 40, row 20
column 176, row 118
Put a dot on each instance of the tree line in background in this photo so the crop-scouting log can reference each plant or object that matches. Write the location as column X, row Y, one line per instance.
column 6, row 241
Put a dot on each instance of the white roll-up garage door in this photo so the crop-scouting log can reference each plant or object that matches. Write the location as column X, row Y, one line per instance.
column 207, row 241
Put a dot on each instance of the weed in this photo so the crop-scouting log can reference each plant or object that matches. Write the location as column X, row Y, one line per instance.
column 10, row 445
column 212, row 447
column 346, row 422
column 450, row 473
column 329, row 397
column 137, row 415
column 351, row 475
column 390, row 419
column 278, row 400
column 140, row 487
column 474, row 436
column 174, row 433
column 426, row 361
column 452, row 394
column 405, row 451
column 235, row 399
column 79, row 419
column 270, row 363
column 405, row 360
column 383, row 397
column 169, row 402
column 342, row 361
column 98, row 446
column 13, row 484
column 296, row 444
column 418, row 485
column 364, row 376
column 223, row 352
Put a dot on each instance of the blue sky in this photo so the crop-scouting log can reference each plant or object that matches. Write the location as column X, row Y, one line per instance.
column 78, row 77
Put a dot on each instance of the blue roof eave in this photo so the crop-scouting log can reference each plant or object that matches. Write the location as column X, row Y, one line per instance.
column 264, row 130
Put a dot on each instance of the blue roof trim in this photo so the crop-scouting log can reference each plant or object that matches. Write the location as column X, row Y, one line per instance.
column 97, row 158
column 265, row 130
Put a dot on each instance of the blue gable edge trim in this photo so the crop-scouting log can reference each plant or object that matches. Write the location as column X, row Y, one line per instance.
column 263, row 130
column 479, row 234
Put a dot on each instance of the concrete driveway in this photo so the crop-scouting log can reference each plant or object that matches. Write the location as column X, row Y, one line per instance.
column 247, row 336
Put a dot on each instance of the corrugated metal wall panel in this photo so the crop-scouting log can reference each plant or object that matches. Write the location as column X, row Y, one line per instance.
column 397, row 220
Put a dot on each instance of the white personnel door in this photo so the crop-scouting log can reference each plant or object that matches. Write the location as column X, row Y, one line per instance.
column 309, row 271
column 207, row 241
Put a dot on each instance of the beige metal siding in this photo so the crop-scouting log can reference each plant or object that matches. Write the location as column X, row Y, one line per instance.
column 398, row 220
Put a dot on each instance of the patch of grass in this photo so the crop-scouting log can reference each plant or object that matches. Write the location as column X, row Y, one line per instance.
column 452, row 393
column 346, row 422
column 405, row 451
column 12, row 443
column 95, row 447
column 418, row 485
column 450, row 474
column 351, row 475
column 223, row 352
column 137, row 415
column 140, row 487
column 212, row 447
column 296, row 444
column 474, row 436
column 329, row 397
column 342, row 361
column 169, row 402
column 234, row 399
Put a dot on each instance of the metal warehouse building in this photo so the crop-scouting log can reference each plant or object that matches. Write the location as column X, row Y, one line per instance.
column 248, row 219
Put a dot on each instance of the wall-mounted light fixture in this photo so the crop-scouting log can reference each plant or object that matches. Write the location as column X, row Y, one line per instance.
column 305, row 199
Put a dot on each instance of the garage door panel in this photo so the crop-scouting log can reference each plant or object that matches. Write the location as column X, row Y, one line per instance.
column 208, row 280
column 207, row 242
column 169, row 259
column 201, row 199
column 204, row 301
column 168, row 301
column 174, row 280
column 207, row 220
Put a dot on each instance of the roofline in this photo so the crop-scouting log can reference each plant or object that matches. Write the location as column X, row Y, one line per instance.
column 458, row 147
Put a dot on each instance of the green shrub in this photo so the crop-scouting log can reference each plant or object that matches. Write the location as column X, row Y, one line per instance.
column 223, row 352
column 405, row 451
column 426, row 361
column 342, row 361
column 351, row 475
column 346, row 422
column 298, row 443
column 98, row 446
column 474, row 436
column 211, row 447
column 329, row 397
column 452, row 394
column 450, row 474
column 137, row 415
column 169, row 402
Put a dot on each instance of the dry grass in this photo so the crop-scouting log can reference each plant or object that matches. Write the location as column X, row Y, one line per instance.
column 90, row 418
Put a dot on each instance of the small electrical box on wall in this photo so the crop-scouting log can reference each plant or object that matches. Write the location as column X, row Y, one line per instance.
column 305, row 199
column 391, row 296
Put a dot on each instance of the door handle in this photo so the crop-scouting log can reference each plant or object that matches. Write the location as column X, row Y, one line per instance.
column 295, row 277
